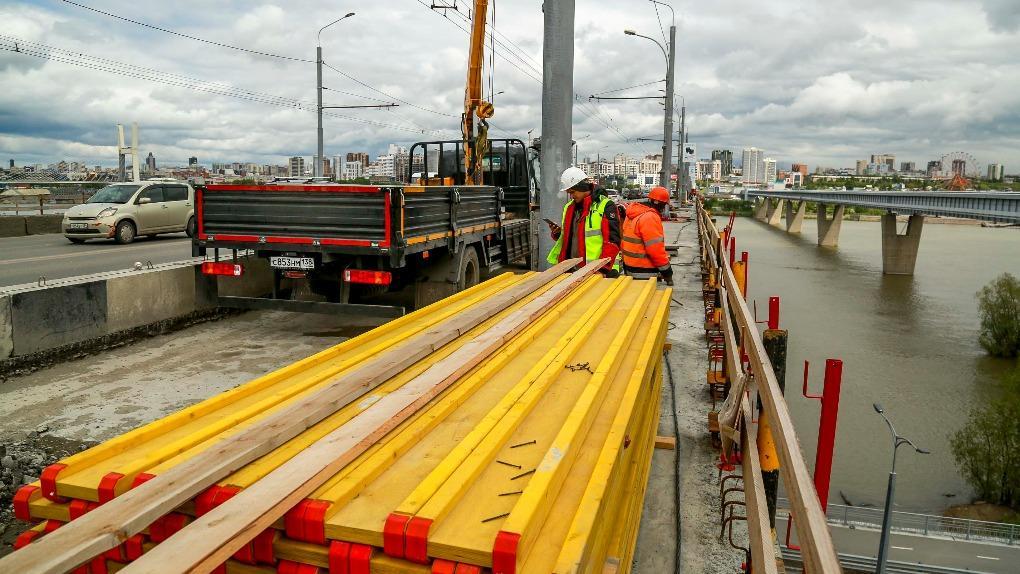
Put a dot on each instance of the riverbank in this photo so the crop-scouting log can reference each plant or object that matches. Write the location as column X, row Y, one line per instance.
column 983, row 511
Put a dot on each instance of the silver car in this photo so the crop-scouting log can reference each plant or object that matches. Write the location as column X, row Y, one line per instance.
column 123, row 211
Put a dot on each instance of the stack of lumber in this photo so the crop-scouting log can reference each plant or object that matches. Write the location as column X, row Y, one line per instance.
column 534, row 459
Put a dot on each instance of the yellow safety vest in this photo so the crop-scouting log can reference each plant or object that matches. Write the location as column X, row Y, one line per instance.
column 592, row 234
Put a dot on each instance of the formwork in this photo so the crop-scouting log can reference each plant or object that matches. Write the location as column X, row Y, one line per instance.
column 535, row 461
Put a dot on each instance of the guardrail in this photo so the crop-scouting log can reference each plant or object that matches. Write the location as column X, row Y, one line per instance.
column 924, row 524
column 856, row 563
column 743, row 346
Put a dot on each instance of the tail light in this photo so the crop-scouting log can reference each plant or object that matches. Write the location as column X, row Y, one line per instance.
column 216, row 268
column 367, row 277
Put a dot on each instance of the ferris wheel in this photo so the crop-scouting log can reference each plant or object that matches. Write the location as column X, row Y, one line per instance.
column 959, row 163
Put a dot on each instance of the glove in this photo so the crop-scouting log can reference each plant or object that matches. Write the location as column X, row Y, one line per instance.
column 610, row 273
column 667, row 276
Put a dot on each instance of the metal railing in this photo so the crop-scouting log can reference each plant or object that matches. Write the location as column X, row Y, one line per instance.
column 924, row 524
column 855, row 563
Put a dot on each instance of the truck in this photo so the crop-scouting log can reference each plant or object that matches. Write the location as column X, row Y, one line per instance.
column 374, row 249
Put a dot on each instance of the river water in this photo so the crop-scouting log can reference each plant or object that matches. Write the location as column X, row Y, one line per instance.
column 909, row 343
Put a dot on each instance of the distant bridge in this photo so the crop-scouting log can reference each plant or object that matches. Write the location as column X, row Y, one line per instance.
column 899, row 251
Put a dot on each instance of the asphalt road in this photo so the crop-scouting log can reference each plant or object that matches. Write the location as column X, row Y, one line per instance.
column 962, row 554
column 25, row 259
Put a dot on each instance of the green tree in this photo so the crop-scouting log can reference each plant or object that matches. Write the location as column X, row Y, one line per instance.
column 999, row 305
column 987, row 448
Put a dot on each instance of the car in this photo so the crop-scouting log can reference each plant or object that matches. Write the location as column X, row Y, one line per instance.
column 123, row 211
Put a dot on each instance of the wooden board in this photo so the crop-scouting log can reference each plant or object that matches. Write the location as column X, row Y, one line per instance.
column 217, row 535
column 115, row 521
column 665, row 442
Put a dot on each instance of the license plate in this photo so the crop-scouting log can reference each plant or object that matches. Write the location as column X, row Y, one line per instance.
column 77, row 225
column 292, row 262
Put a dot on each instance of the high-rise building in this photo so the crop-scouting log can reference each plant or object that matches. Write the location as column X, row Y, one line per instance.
column 338, row 166
column 726, row 157
column 934, row 168
column 708, row 169
column 297, row 167
column 996, row 172
column 353, row 170
column 192, row 161
column 12, row 164
column 886, row 159
column 769, row 170
column 753, row 165
column 801, row 168
column 359, row 156
column 862, row 167
column 908, row 166
column 150, row 163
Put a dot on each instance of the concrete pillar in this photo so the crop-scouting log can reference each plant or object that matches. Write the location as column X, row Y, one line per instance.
column 775, row 212
column 899, row 252
column 761, row 211
column 794, row 220
column 828, row 229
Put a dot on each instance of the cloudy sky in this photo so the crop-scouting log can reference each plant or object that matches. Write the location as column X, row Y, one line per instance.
column 823, row 82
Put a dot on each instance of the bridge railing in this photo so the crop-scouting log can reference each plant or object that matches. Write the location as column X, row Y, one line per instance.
column 741, row 332
column 924, row 524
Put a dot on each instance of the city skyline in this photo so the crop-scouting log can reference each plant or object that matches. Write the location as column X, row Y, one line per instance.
column 868, row 87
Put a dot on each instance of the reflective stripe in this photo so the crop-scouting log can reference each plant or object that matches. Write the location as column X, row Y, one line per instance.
column 592, row 232
column 664, row 268
column 630, row 239
column 632, row 254
column 642, row 275
column 654, row 241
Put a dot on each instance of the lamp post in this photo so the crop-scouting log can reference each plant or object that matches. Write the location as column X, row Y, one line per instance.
column 667, row 125
column 318, row 73
column 883, row 545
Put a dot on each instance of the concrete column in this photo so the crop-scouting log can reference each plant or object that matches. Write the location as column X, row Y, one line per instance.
column 899, row 252
column 794, row 220
column 761, row 211
column 828, row 229
column 775, row 212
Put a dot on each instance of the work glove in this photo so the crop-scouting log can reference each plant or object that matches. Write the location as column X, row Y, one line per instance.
column 667, row 276
column 610, row 273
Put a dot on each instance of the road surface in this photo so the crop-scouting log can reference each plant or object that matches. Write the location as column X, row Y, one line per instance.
column 25, row 259
column 962, row 554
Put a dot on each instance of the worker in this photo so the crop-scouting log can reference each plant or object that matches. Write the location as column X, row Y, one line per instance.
column 644, row 243
column 590, row 227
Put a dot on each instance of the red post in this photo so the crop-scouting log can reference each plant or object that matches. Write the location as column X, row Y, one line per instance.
column 773, row 312
column 743, row 258
column 827, row 428
column 733, row 249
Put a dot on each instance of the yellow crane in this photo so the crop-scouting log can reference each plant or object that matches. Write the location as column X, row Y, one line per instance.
column 475, row 136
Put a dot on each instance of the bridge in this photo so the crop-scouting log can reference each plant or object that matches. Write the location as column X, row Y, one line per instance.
column 899, row 251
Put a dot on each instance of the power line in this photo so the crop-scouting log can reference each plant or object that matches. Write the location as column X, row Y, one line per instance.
column 629, row 87
column 197, row 39
column 350, row 77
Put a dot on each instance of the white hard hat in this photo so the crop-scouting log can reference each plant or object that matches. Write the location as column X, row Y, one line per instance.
column 571, row 177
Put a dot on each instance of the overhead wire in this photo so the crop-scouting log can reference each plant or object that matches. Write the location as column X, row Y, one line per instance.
column 629, row 87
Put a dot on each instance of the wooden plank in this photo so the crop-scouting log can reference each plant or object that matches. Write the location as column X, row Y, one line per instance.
column 115, row 521
column 758, row 530
column 214, row 537
column 665, row 442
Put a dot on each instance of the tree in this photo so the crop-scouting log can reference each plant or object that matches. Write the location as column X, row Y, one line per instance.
column 999, row 305
column 987, row 448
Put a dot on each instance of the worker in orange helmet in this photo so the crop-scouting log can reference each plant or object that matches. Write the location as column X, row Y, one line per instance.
column 644, row 243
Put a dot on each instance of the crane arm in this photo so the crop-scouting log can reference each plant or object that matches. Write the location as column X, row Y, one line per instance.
column 474, row 105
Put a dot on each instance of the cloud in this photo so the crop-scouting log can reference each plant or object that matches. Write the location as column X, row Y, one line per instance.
column 823, row 82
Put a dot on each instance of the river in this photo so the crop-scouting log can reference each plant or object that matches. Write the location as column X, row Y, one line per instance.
column 909, row 343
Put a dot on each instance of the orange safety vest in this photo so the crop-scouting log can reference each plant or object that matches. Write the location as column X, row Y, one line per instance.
column 643, row 245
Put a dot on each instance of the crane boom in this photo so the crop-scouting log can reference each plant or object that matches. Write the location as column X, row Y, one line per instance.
column 475, row 142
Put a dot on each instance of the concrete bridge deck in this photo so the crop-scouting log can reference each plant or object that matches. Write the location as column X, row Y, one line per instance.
column 996, row 207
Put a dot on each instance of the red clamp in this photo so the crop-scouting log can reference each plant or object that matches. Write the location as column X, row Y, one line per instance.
column 142, row 477
column 48, row 480
column 468, row 569
column 21, row 500
column 108, row 486
column 78, row 508
column 307, row 521
column 504, row 553
column 25, row 538
column 98, row 566
column 262, row 547
column 288, row 567
column 51, row 525
column 360, row 559
column 212, row 497
column 416, row 539
column 393, row 534
column 440, row 566
column 133, row 548
column 339, row 557
column 166, row 526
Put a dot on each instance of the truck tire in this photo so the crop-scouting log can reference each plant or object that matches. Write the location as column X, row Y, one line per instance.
column 470, row 273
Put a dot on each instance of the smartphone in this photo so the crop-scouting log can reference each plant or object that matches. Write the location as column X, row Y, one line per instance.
column 550, row 222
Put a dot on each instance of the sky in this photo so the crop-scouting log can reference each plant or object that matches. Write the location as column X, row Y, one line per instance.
column 823, row 83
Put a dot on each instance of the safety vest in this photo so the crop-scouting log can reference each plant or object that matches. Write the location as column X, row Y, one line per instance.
column 635, row 249
column 592, row 234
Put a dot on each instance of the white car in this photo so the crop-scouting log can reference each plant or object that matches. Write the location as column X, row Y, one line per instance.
column 123, row 211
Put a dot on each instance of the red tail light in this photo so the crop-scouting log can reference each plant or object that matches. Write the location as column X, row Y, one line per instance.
column 367, row 277
column 214, row 268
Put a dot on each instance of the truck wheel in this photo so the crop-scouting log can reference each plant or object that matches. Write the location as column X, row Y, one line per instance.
column 125, row 232
column 469, row 270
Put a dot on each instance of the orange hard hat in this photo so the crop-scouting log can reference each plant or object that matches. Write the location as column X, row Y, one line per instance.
column 659, row 193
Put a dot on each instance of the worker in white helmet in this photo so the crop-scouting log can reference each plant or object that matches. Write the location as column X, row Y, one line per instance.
column 590, row 227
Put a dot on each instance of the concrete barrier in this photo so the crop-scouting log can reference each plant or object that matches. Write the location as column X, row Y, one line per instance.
column 12, row 226
column 40, row 224
column 81, row 314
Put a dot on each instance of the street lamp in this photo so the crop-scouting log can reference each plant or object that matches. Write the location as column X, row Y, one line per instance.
column 667, row 123
column 883, row 545
column 318, row 64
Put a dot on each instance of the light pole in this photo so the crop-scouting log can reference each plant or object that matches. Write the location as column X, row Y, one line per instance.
column 883, row 545
column 667, row 124
column 318, row 74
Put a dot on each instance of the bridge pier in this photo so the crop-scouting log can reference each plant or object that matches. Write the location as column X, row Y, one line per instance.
column 899, row 252
column 762, row 209
column 828, row 229
column 794, row 220
column 775, row 212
